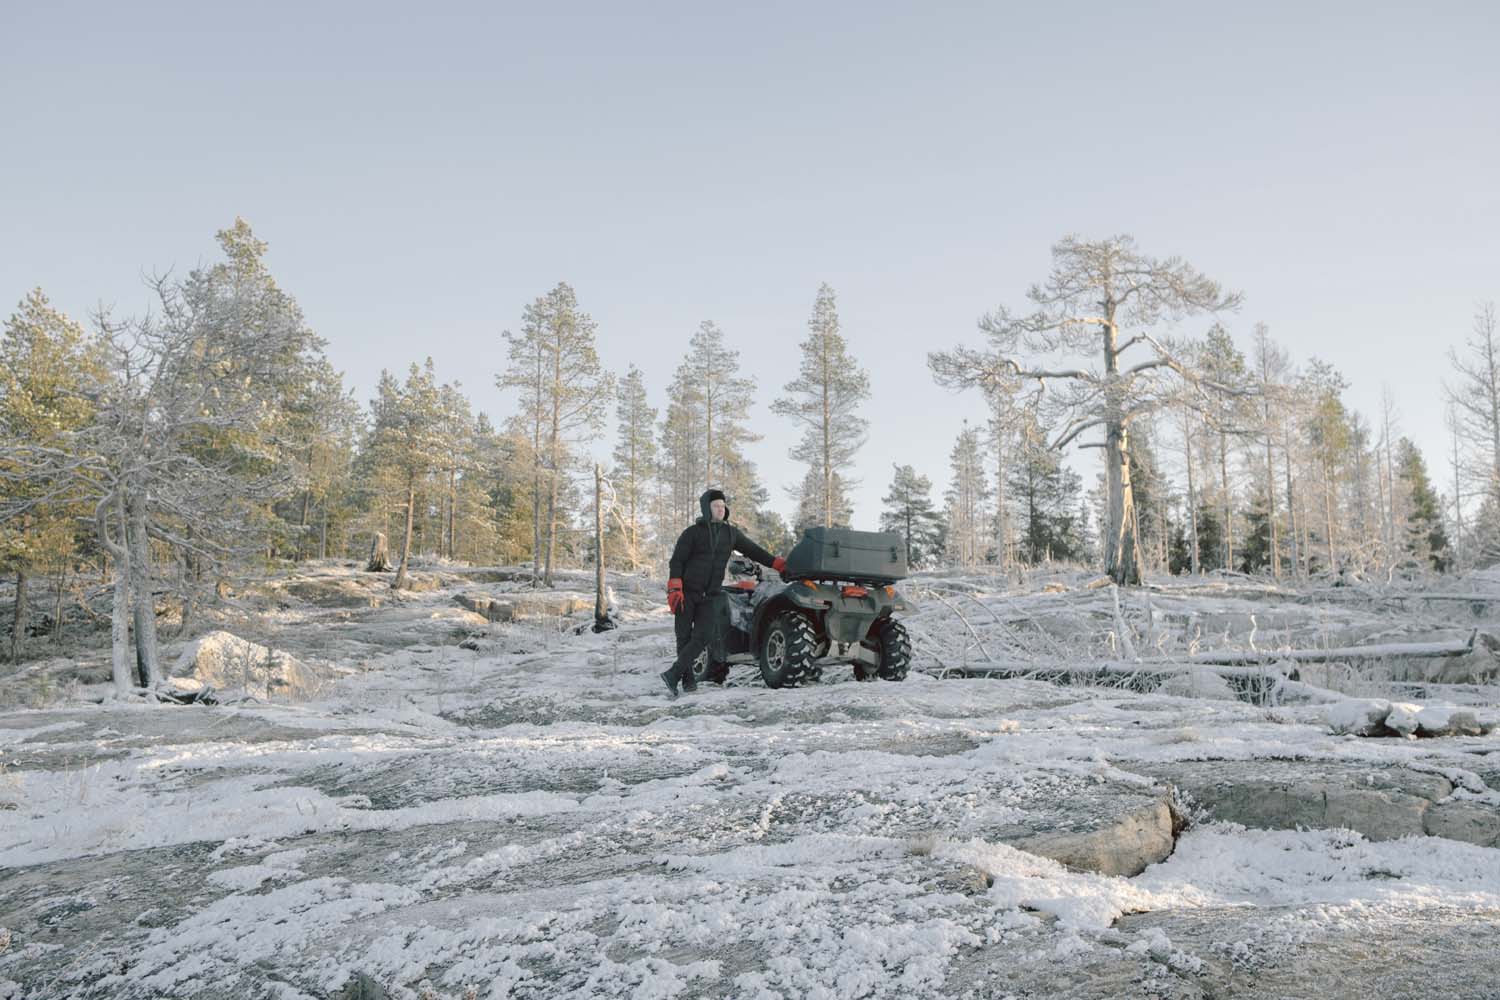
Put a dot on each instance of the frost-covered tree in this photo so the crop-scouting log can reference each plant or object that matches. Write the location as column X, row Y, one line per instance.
column 186, row 446
column 1103, row 298
column 824, row 399
column 1475, row 390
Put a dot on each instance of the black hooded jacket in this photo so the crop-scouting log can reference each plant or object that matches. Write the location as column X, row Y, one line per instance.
column 702, row 551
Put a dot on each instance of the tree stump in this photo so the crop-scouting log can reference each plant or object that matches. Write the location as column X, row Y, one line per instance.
column 380, row 556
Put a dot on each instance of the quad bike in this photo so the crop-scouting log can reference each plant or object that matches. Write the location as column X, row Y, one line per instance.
column 832, row 605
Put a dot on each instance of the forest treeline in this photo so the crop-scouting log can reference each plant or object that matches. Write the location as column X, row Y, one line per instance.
column 168, row 455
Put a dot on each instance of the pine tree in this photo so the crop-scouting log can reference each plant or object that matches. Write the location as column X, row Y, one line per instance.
column 634, row 458
column 187, row 448
column 1426, row 541
column 1225, row 406
column 47, row 363
column 824, row 399
column 1327, row 434
column 817, row 507
column 407, row 443
column 1047, row 499
column 1097, row 292
column 712, row 402
column 564, row 391
column 967, row 500
column 909, row 512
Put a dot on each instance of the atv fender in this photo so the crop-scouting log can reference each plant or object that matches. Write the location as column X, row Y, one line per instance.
column 790, row 598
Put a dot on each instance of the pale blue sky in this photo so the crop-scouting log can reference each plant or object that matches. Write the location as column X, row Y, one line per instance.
column 423, row 171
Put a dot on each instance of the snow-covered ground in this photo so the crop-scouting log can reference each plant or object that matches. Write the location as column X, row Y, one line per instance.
column 530, row 817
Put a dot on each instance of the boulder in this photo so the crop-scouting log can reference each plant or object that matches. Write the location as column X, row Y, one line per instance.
column 226, row 662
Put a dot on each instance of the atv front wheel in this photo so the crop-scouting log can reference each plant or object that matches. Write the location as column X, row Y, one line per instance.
column 788, row 651
column 703, row 670
column 889, row 641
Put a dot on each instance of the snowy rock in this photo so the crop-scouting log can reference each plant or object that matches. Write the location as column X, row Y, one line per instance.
column 1373, row 717
column 517, row 607
column 226, row 662
column 1126, row 845
column 1198, row 684
column 1402, row 718
column 1450, row 720
column 1358, row 716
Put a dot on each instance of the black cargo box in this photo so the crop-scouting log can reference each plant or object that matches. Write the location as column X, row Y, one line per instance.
column 846, row 554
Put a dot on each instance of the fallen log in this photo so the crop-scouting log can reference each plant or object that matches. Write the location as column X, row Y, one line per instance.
column 1255, row 675
column 1389, row 650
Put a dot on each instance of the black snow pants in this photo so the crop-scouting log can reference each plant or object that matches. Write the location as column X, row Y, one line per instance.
column 699, row 624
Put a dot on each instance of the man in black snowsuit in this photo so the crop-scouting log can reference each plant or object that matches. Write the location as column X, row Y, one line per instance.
column 695, row 592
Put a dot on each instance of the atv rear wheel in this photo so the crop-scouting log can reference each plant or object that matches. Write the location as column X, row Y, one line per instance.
column 889, row 641
column 788, row 651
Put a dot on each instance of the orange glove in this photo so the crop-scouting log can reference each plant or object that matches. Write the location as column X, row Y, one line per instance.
column 674, row 594
column 778, row 564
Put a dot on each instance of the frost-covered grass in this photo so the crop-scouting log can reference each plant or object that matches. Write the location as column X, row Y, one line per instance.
column 532, row 818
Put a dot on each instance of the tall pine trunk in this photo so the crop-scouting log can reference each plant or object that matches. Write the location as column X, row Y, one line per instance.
column 57, row 606
column 411, row 504
column 1271, row 508
column 18, row 624
column 1333, row 562
column 1228, row 501
column 147, row 648
column 118, row 562
column 1194, row 559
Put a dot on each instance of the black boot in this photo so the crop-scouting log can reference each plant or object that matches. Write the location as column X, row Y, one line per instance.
column 668, row 678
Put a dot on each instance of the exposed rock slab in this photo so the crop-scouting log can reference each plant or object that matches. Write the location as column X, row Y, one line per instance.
column 1379, row 803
